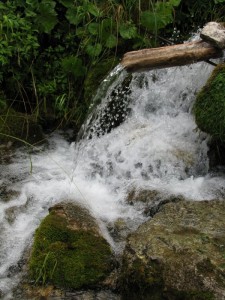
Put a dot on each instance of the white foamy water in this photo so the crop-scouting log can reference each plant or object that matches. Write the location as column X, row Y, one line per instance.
column 157, row 147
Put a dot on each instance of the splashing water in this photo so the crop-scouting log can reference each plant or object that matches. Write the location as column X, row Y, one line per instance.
column 150, row 142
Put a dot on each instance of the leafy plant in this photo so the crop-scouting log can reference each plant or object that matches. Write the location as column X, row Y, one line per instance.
column 160, row 16
column 48, row 47
column 43, row 273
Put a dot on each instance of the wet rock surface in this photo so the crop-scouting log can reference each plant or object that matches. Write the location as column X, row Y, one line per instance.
column 50, row 293
column 151, row 200
column 179, row 254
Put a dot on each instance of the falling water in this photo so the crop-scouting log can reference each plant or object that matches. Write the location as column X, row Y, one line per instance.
column 141, row 135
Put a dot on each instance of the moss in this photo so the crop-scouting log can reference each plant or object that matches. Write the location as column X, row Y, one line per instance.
column 18, row 127
column 140, row 282
column 209, row 107
column 68, row 258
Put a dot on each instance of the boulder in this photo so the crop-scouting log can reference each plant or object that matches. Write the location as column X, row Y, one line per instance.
column 151, row 200
column 209, row 105
column 214, row 33
column 178, row 254
column 69, row 250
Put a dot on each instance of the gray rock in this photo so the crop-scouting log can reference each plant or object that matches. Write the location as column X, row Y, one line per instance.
column 214, row 33
column 179, row 254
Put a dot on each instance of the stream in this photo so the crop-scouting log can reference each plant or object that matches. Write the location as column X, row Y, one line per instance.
column 141, row 134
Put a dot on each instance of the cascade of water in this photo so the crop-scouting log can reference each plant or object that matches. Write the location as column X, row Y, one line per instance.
column 150, row 143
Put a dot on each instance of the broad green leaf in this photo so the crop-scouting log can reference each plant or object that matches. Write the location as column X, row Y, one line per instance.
column 165, row 12
column 111, row 41
column 30, row 13
column 107, row 28
column 81, row 32
column 2, row 6
column 93, row 10
column 75, row 15
column 161, row 16
column 73, row 65
column 177, row 2
column 93, row 28
column 128, row 31
column 33, row 5
column 156, row 20
column 47, row 17
column 67, row 3
column 94, row 50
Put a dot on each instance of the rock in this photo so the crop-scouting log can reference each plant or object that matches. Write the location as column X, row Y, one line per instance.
column 214, row 33
column 152, row 200
column 69, row 250
column 179, row 254
column 209, row 105
column 210, row 114
column 50, row 293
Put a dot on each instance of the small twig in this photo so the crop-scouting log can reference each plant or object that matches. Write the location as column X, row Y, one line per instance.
column 211, row 63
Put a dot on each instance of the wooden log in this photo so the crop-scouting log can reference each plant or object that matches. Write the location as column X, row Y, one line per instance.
column 169, row 56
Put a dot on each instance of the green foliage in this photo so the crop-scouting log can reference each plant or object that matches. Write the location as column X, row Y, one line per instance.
column 18, row 37
column 68, row 258
column 18, row 127
column 219, row 1
column 209, row 107
column 47, row 16
column 192, row 15
column 128, row 30
column 94, row 50
column 160, row 16
column 73, row 65
column 48, row 46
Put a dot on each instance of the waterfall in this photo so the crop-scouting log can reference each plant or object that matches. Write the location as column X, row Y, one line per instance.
column 140, row 134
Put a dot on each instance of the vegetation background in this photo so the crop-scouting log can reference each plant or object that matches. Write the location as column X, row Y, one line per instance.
column 54, row 53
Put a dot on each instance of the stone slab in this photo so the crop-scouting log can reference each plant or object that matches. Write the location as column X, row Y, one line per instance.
column 214, row 33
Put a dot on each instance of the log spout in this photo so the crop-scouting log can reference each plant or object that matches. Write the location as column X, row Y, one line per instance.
column 169, row 56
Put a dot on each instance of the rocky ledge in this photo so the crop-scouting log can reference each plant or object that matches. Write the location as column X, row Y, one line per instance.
column 178, row 254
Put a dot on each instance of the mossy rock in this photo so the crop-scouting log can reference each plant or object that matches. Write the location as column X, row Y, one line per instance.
column 209, row 108
column 178, row 254
column 19, row 128
column 69, row 251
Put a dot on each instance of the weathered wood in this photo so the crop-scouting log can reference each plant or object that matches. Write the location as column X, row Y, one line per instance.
column 169, row 56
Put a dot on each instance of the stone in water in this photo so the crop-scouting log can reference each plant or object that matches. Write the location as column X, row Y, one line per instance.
column 214, row 33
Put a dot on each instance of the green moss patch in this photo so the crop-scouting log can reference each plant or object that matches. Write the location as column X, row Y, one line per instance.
column 209, row 108
column 68, row 258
